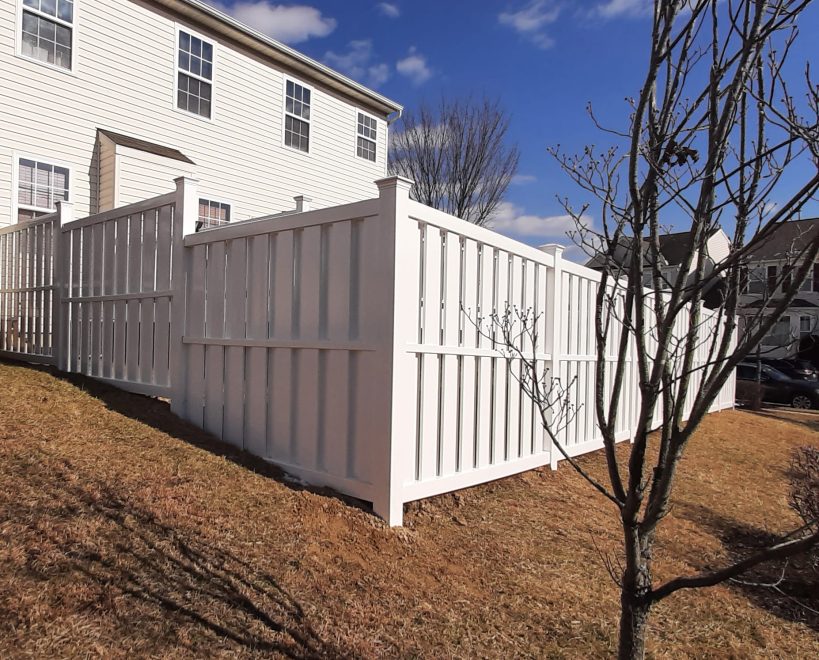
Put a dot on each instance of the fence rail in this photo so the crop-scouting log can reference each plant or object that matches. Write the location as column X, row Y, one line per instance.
column 349, row 345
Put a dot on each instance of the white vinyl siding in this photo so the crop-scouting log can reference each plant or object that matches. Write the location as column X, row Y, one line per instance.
column 107, row 182
column 141, row 175
column 44, row 112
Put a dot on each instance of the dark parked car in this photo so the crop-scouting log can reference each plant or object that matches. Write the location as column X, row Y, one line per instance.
column 791, row 367
column 776, row 387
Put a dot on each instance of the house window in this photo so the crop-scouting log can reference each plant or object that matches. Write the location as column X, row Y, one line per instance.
column 367, row 135
column 212, row 214
column 744, row 278
column 48, row 27
column 39, row 187
column 194, row 87
column 805, row 326
column 771, row 280
column 780, row 335
column 787, row 278
column 297, row 117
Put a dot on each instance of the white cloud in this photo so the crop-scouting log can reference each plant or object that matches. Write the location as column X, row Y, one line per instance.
column 511, row 219
column 617, row 8
column 531, row 20
column 357, row 62
column 523, row 179
column 389, row 9
column 378, row 74
column 414, row 66
column 290, row 24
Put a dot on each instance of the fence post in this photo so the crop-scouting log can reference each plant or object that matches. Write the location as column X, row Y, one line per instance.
column 554, row 303
column 59, row 313
column 302, row 203
column 393, row 214
column 186, row 213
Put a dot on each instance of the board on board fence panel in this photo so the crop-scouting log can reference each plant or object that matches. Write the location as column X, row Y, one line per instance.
column 272, row 360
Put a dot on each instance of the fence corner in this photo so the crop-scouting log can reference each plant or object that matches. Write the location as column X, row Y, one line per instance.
column 394, row 196
column 554, row 295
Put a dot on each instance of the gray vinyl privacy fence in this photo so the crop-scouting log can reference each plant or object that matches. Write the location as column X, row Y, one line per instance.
column 338, row 343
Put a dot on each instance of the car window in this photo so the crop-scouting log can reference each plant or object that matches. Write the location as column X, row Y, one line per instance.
column 774, row 374
column 746, row 372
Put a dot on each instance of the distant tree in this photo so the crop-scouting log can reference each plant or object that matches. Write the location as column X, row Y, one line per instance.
column 712, row 131
column 458, row 155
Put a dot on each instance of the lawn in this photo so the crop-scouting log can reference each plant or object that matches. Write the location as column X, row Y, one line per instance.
column 125, row 532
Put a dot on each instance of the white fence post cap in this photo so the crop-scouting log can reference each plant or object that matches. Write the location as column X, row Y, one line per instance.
column 395, row 181
column 554, row 249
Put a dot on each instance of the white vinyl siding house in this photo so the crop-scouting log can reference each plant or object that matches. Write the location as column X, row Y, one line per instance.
column 769, row 271
column 124, row 78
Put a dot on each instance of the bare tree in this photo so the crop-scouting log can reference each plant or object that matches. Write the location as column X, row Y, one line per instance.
column 458, row 155
column 712, row 131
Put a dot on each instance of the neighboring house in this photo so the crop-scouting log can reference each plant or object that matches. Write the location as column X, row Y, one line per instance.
column 105, row 102
column 673, row 250
column 767, row 271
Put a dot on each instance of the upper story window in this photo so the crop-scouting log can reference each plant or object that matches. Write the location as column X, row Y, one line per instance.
column 771, row 277
column 39, row 187
column 212, row 214
column 367, row 135
column 297, row 116
column 48, row 31
column 194, row 86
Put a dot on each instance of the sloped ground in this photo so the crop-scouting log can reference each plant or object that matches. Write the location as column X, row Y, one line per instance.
column 124, row 532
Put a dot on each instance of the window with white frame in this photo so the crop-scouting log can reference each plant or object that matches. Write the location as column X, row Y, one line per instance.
column 194, row 81
column 806, row 324
column 48, row 31
column 212, row 214
column 39, row 187
column 367, row 136
column 297, row 116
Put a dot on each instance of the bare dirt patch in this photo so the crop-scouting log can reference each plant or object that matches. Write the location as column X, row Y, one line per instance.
column 125, row 532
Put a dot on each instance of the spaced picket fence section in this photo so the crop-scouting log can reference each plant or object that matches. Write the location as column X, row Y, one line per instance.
column 349, row 345
column 27, row 258
column 117, row 269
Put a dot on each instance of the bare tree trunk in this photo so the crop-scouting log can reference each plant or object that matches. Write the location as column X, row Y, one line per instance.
column 633, row 628
column 635, row 594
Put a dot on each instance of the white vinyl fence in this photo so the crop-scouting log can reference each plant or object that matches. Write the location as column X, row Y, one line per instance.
column 342, row 344
column 27, row 258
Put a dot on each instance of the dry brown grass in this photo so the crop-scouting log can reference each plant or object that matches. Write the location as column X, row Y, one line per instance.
column 124, row 532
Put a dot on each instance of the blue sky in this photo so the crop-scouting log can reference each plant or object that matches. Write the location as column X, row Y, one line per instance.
column 543, row 59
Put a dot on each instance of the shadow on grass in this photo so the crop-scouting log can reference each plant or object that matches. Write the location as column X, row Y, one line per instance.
column 795, row 596
column 171, row 577
column 808, row 419
column 157, row 414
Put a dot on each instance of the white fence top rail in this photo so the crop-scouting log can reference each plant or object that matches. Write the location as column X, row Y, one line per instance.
column 122, row 212
column 421, row 213
column 246, row 228
column 10, row 229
